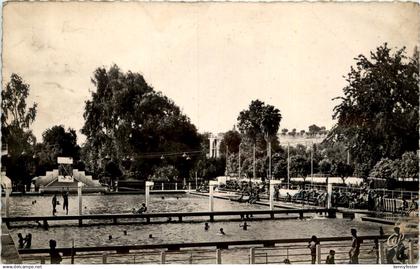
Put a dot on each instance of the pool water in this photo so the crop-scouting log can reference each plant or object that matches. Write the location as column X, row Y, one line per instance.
column 173, row 232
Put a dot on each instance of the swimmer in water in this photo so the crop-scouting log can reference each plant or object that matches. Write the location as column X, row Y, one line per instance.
column 245, row 226
column 125, row 232
column 110, row 237
column 163, row 197
column 150, row 235
column 221, row 232
column 206, row 226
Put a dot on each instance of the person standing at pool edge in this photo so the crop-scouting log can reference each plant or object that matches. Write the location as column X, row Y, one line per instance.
column 54, row 254
column 312, row 246
column 54, row 204
column 66, row 201
column 355, row 248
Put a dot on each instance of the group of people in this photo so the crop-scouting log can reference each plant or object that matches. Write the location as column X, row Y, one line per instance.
column 350, row 198
column 249, row 191
column 24, row 242
column 244, row 227
column 55, row 202
column 395, row 248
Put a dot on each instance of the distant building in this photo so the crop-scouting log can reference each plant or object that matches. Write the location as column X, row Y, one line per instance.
column 215, row 141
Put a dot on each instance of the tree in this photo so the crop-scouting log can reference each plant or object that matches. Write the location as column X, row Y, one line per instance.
column 280, row 168
column 166, row 173
column 342, row 170
column 406, row 167
column 325, row 166
column 63, row 143
column 259, row 121
column 300, row 166
column 231, row 140
column 56, row 142
column 383, row 169
column 126, row 117
column 16, row 119
column 313, row 129
column 14, row 109
column 378, row 115
column 210, row 168
column 409, row 167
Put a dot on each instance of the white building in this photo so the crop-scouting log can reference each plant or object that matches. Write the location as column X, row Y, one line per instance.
column 215, row 141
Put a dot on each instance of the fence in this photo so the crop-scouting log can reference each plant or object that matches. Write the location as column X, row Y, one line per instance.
column 296, row 253
column 165, row 186
column 392, row 194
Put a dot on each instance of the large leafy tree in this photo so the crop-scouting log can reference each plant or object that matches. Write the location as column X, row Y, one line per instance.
column 126, row 117
column 16, row 118
column 259, row 122
column 56, row 142
column 342, row 170
column 409, row 165
column 300, row 166
column 230, row 141
column 378, row 115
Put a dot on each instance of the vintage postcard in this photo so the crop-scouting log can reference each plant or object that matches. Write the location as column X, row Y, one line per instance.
column 210, row 133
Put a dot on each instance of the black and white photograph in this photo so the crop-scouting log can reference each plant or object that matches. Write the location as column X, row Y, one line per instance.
column 219, row 133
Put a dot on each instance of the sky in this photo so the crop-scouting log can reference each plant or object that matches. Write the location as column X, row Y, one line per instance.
column 211, row 59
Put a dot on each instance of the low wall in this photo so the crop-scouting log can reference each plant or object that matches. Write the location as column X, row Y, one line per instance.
column 9, row 252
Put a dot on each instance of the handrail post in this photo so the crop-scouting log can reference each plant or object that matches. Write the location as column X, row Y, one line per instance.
column 176, row 185
column 218, row 256
column 381, row 253
column 163, row 186
column 318, row 254
column 252, row 256
column 189, row 187
column 410, row 252
column 163, row 257
column 329, row 195
column 212, row 184
column 79, row 196
column 149, row 184
column 7, row 191
column 104, row 258
column 273, row 183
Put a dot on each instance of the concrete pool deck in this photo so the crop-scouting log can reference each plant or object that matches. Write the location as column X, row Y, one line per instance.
column 9, row 252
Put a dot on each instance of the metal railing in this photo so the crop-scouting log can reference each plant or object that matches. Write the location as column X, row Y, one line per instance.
column 278, row 253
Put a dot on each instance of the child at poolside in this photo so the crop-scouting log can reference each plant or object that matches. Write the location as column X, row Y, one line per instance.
column 330, row 257
column 21, row 240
